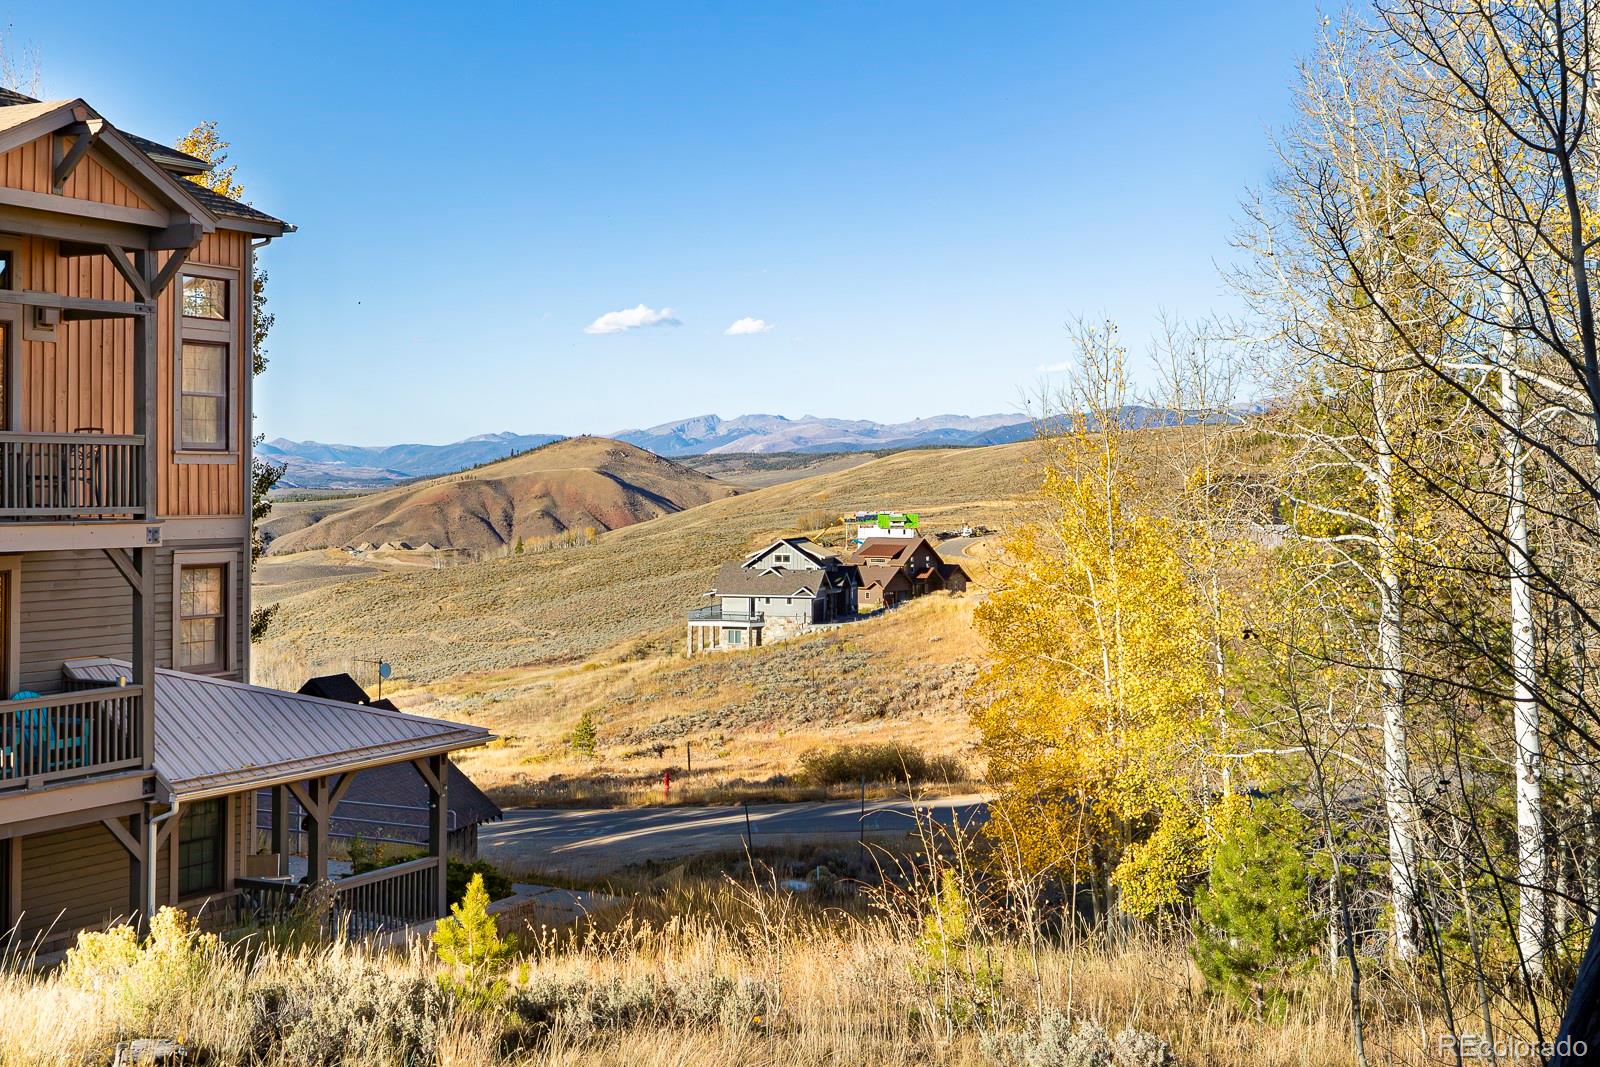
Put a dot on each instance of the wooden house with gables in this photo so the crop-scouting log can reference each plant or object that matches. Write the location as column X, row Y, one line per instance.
column 132, row 748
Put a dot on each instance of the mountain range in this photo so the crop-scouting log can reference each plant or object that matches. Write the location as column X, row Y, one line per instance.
column 314, row 464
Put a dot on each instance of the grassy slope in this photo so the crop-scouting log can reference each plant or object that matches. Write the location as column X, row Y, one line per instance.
column 564, row 606
column 570, row 484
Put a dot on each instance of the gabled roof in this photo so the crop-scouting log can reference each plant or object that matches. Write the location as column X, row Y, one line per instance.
column 803, row 545
column 170, row 166
column 215, row 736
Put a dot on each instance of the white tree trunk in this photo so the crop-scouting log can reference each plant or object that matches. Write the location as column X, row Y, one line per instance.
column 1397, row 798
column 1532, row 863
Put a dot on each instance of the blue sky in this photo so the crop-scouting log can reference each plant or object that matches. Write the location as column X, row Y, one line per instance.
column 914, row 197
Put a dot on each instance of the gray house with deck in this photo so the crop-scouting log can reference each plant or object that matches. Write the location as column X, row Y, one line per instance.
column 790, row 584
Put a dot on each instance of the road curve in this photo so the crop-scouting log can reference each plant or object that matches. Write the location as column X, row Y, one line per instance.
column 596, row 841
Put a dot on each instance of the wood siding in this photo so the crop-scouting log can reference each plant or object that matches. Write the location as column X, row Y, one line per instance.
column 84, row 377
column 76, row 604
column 73, row 604
column 55, row 906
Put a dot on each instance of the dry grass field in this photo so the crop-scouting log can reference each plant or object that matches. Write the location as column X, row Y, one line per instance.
column 748, row 716
column 633, row 584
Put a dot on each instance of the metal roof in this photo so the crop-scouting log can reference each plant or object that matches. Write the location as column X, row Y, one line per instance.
column 215, row 736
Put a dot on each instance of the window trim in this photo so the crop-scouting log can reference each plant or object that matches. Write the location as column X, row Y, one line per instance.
column 224, row 332
column 229, row 562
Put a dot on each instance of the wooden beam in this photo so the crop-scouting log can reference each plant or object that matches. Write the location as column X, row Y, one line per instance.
column 128, row 841
column 119, row 259
column 313, row 807
column 179, row 235
column 125, row 564
column 346, row 780
column 280, row 827
column 81, row 304
column 425, row 769
column 87, row 133
column 317, row 839
column 175, row 262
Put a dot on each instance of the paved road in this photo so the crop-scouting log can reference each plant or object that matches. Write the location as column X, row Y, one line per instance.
column 591, row 841
column 956, row 547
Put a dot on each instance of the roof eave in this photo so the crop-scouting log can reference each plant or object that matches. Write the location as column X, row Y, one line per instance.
column 216, row 786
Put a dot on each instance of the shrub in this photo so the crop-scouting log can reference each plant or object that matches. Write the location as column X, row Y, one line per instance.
column 468, row 942
column 1255, row 928
column 1052, row 1042
column 879, row 762
column 332, row 1009
column 581, row 1006
column 459, row 876
column 145, row 978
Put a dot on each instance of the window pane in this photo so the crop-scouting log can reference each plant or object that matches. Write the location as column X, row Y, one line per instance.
column 204, row 422
column 201, row 643
column 200, row 591
column 205, row 368
column 200, row 847
column 204, row 298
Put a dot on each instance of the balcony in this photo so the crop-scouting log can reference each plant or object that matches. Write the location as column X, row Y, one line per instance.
column 732, row 618
column 70, row 735
column 53, row 477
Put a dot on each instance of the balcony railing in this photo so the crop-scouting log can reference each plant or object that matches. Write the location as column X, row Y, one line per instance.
column 71, row 476
column 386, row 899
column 70, row 735
column 718, row 615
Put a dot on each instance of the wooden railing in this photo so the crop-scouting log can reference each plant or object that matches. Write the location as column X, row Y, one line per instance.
column 71, row 475
column 70, row 735
column 386, row 899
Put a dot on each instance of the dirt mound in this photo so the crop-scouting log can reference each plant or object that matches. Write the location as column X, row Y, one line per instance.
column 571, row 485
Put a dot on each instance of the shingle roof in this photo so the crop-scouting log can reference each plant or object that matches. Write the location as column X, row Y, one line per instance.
column 225, row 207
column 339, row 687
column 735, row 580
column 215, row 736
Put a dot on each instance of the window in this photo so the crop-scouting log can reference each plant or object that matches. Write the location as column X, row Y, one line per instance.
column 200, row 848
column 205, row 409
column 203, row 618
column 205, row 298
column 8, row 274
column 203, row 390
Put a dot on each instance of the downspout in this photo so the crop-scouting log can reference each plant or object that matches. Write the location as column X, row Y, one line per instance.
column 152, row 838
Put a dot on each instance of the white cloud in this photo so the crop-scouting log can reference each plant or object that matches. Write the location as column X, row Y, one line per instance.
column 1055, row 368
column 632, row 319
column 748, row 325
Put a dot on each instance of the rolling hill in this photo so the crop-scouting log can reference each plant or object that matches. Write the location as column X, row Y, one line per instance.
column 632, row 583
column 570, row 484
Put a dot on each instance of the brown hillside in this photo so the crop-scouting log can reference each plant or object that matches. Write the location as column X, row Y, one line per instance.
column 559, row 607
column 567, row 485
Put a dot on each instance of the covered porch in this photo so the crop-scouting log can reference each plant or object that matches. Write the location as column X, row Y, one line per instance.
column 224, row 748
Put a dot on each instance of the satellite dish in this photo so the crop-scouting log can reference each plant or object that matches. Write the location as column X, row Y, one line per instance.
column 385, row 671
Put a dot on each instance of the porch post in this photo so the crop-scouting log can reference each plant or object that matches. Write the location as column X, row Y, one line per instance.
column 439, row 829
column 317, row 832
column 145, row 408
column 138, row 827
column 13, row 894
column 280, row 827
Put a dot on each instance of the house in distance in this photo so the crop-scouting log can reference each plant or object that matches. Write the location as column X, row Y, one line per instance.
column 788, row 585
column 892, row 570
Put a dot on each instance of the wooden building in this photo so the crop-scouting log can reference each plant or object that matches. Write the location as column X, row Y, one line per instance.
column 892, row 570
column 131, row 747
